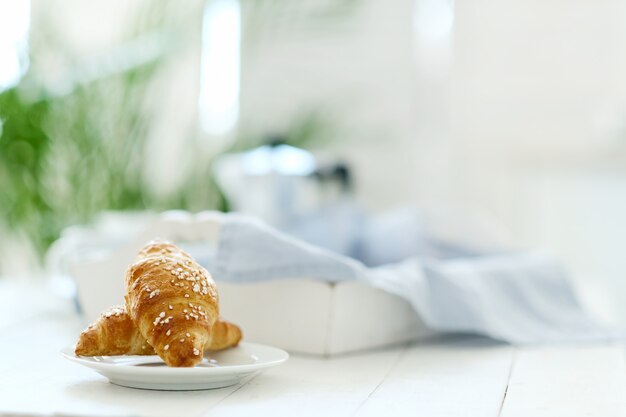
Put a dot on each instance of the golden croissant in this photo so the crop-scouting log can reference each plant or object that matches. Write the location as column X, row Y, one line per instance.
column 114, row 333
column 171, row 298
column 171, row 309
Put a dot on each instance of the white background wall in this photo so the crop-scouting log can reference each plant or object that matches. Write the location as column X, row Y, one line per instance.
column 538, row 125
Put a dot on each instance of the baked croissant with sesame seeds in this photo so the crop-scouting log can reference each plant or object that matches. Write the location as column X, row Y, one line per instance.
column 114, row 333
column 173, row 302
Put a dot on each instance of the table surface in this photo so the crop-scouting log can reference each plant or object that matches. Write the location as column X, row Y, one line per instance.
column 445, row 376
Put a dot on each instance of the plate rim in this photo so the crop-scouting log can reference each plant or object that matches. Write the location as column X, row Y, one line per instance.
column 68, row 353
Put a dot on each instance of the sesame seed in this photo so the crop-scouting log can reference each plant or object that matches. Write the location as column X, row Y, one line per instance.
column 196, row 351
column 186, row 295
column 187, row 334
column 169, row 332
column 166, row 347
column 162, row 314
column 182, row 340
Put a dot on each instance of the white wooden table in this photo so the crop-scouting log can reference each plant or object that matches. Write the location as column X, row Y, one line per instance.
column 449, row 376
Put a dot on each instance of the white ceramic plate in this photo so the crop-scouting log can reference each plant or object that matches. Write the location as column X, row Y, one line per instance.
column 220, row 369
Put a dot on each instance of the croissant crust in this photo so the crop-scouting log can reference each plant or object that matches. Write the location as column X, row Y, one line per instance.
column 173, row 302
column 115, row 334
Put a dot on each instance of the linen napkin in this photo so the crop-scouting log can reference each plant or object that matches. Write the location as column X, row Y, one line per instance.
column 518, row 297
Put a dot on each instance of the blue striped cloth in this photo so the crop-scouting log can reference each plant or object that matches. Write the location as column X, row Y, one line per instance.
column 521, row 297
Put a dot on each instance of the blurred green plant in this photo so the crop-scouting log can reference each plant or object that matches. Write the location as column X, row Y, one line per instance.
column 24, row 147
column 77, row 148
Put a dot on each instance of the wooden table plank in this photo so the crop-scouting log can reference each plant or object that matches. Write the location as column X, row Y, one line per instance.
column 312, row 386
column 567, row 381
column 463, row 377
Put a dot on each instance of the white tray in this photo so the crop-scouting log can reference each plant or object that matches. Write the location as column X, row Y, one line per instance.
column 295, row 313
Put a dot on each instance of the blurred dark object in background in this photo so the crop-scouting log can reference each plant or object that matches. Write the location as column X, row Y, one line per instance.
column 291, row 189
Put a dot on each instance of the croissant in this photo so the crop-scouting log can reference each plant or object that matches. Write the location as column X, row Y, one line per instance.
column 114, row 333
column 173, row 302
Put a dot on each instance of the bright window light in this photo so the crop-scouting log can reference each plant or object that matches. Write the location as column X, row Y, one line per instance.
column 219, row 84
column 14, row 25
column 434, row 19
